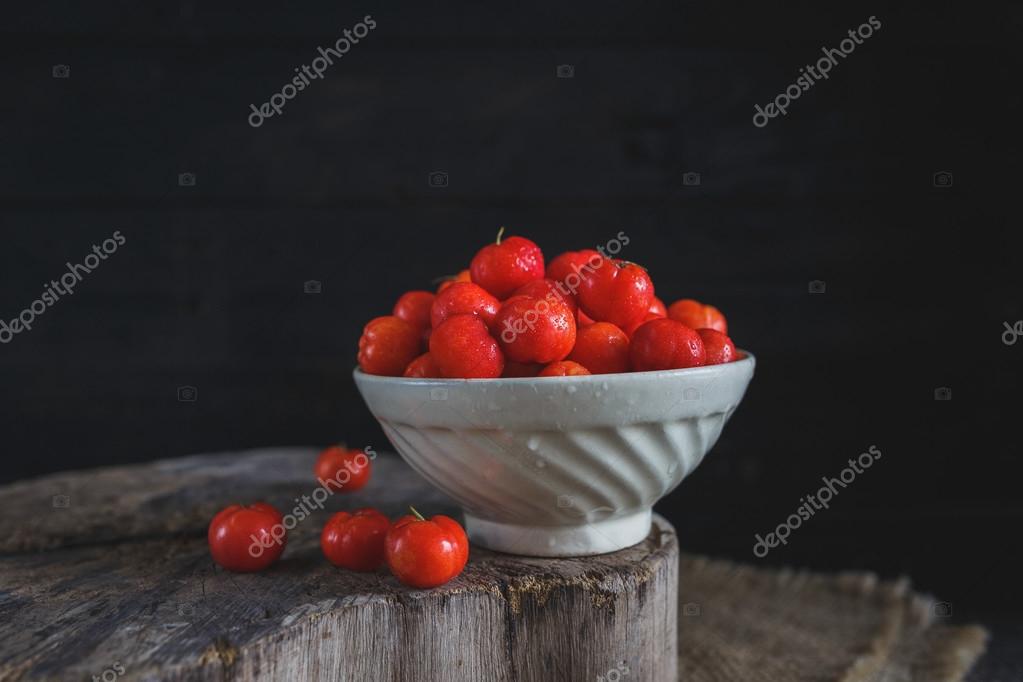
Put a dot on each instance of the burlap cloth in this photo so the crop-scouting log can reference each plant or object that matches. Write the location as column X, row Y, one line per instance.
column 744, row 624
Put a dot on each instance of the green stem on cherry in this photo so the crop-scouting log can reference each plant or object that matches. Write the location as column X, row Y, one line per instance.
column 499, row 234
column 416, row 514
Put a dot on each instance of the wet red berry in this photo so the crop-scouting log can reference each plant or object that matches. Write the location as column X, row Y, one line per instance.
column 564, row 368
column 535, row 329
column 719, row 347
column 665, row 344
column 463, row 348
column 697, row 315
column 602, row 348
column 617, row 292
column 414, row 308
column 543, row 288
column 464, row 298
column 387, row 345
column 504, row 266
column 423, row 367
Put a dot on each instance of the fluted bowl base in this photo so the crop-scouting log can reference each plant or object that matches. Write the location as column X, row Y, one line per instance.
column 585, row 539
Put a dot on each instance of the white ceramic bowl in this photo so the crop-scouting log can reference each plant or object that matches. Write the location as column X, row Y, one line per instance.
column 558, row 466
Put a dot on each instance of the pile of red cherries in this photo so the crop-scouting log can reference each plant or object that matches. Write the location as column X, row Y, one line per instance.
column 511, row 315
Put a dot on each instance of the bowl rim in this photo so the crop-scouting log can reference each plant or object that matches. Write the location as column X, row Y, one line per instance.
column 749, row 360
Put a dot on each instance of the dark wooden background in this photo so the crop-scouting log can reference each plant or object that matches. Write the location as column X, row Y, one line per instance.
column 208, row 290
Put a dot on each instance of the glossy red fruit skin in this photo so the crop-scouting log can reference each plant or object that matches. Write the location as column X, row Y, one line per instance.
column 462, row 276
column 519, row 370
column 657, row 308
column 387, row 345
column 426, row 553
column 665, row 344
column 342, row 469
column 602, row 348
column 355, row 540
column 463, row 348
column 502, row 268
column 535, row 330
column 564, row 368
column 230, row 537
column 464, row 298
column 570, row 267
column 649, row 316
column 414, row 308
column 546, row 288
column 719, row 347
column 697, row 315
column 616, row 292
column 423, row 367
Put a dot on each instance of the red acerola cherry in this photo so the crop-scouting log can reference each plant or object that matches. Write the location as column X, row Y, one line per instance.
column 697, row 315
column 570, row 267
column 719, row 347
column 423, row 553
column 665, row 344
column 423, row 367
column 247, row 539
column 518, row 370
column 462, row 276
column 343, row 469
column 464, row 298
column 657, row 308
column 617, row 292
column 502, row 267
column 649, row 316
column 387, row 345
column 535, row 329
column 463, row 348
column 355, row 540
column 414, row 308
column 602, row 348
column 543, row 288
column 564, row 368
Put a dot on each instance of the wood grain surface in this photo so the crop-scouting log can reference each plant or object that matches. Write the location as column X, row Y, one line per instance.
column 107, row 574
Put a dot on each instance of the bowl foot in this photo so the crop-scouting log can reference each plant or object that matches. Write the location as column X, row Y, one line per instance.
column 587, row 538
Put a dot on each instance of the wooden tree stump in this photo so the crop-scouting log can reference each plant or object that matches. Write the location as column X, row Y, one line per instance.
column 107, row 574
